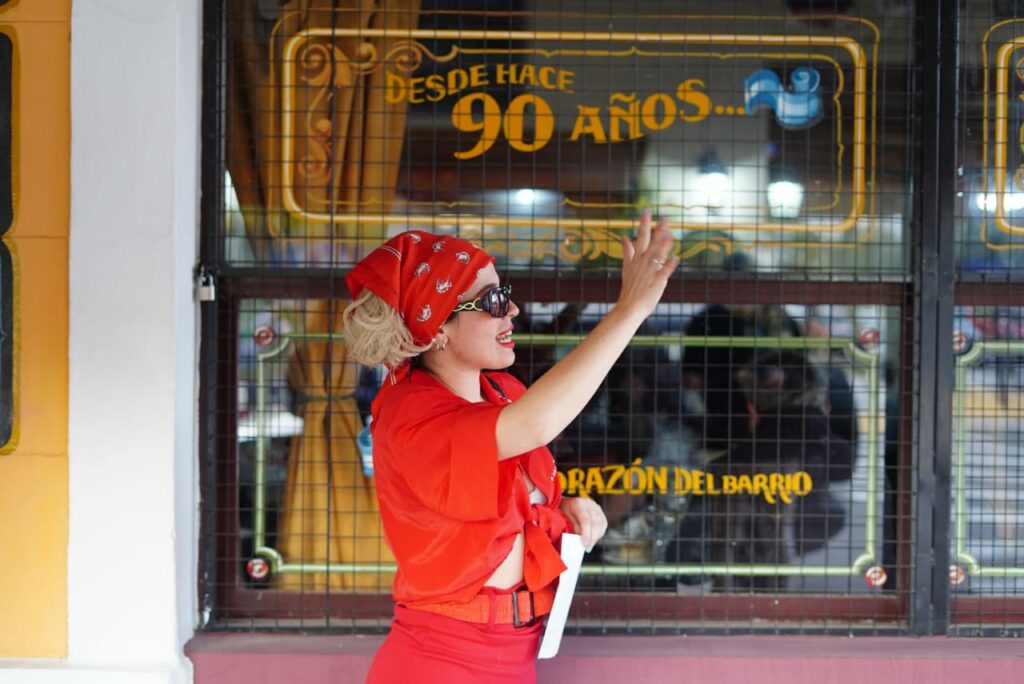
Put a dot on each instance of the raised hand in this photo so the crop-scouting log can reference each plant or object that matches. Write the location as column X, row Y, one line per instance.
column 560, row 394
column 647, row 265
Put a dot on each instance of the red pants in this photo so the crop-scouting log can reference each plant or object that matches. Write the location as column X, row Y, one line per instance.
column 427, row 648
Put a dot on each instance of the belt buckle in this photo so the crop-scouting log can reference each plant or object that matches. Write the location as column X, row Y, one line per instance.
column 516, row 621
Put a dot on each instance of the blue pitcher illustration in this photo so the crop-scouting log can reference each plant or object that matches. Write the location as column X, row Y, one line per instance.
column 799, row 107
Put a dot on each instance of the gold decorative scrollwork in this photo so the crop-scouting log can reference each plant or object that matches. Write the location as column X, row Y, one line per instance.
column 321, row 63
column 326, row 67
column 406, row 55
column 713, row 244
column 313, row 167
column 522, row 250
column 591, row 243
column 366, row 59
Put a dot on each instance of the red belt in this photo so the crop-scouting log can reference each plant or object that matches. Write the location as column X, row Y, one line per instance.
column 521, row 607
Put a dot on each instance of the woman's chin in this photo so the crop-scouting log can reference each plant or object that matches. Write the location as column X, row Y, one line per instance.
column 508, row 357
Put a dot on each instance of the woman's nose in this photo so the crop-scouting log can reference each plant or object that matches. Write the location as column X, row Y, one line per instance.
column 513, row 310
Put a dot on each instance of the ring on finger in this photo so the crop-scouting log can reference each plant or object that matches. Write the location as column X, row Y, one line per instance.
column 660, row 263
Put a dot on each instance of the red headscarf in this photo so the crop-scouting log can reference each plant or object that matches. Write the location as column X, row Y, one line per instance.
column 422, row 276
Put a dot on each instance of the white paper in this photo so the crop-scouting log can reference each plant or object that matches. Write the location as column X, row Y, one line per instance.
column 572, row 556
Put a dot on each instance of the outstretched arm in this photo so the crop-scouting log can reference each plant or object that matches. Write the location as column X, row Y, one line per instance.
column 551, row 403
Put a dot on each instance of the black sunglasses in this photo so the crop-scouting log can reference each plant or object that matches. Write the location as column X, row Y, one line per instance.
column 495, row 302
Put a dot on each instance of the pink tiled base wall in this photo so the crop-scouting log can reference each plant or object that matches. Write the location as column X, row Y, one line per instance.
column 284, row 659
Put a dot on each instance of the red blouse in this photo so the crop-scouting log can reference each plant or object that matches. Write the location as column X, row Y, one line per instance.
column 451, row 510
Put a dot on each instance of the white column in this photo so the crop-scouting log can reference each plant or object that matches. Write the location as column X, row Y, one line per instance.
column 135, row 82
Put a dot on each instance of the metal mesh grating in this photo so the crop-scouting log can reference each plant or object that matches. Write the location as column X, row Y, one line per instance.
column 772, row 447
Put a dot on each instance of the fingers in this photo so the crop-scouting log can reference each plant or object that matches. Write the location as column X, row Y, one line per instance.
column 660, row 249
column 647, row 264
column 585, row 529
column 627, row 250
column 662, row 239
column 588, row 520
column 601, row 523
column 598, row 525
column 643, row 233
column 653, row 243
column 669, row 268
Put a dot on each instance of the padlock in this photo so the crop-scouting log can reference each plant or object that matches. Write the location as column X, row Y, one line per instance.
column 206, row 291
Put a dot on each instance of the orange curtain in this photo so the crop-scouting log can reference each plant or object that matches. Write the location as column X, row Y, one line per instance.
column 330, row 512
column 311, row 136
column 310, row 139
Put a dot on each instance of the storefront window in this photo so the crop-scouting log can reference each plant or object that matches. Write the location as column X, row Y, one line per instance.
column 757, row 446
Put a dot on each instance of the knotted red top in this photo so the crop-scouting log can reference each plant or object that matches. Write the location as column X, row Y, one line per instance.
column 421, row 276
column 451, row 510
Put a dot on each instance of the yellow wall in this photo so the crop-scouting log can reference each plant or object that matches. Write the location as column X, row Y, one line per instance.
column 33, row 472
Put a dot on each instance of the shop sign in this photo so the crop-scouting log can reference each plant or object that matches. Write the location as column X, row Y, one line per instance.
column 1002, row 53
column 518, row 93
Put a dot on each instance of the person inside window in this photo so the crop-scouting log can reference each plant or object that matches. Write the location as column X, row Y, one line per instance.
column 469, row 493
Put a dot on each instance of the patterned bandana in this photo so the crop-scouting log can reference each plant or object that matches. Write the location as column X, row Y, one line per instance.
column 423, row 276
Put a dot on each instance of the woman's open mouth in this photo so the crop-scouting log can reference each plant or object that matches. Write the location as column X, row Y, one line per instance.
column 505, row 339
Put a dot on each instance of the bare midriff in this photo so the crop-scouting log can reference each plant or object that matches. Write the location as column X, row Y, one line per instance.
column 510, row 572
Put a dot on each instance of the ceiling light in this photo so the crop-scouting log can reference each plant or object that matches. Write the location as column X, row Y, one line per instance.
column 785, row 198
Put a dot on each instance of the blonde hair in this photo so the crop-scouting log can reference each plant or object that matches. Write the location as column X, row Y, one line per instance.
column 375, row 333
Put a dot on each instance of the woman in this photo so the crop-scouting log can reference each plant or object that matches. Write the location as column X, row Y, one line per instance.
column 468, row 491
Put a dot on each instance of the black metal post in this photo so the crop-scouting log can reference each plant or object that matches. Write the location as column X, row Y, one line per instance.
column 209, row 252
column 934, row 278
